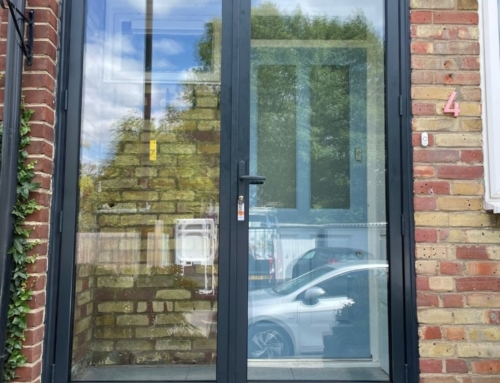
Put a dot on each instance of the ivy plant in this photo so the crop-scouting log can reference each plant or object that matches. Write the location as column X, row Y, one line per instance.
column 20, row 288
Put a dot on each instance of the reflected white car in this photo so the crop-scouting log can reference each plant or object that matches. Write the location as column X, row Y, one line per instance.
column 296, row 317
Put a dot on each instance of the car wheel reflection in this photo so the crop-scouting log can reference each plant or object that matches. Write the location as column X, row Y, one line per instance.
column 266, row 341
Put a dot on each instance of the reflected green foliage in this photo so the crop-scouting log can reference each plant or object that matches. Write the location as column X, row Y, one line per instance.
column 277, row 106
column 268, row 22
column 330, row 134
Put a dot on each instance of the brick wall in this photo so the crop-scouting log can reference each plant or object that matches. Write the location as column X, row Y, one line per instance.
column 458, row 251
column 39, row 82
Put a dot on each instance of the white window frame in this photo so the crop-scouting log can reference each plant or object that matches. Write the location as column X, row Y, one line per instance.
column 490, row 80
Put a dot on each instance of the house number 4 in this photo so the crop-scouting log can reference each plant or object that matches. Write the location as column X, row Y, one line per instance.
column 448, row 108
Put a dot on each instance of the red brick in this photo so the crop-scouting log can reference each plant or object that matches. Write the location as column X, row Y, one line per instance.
column 421, row 17
column 42, row 199
column 421, row 47
column 478, row 284
column 424, row 203
column 431, row 187
column 41, row 215
column 436, row 155
column 458, row 78
column 452, row 300
column 37, row 282
column 40, row 251
column 42, row 64
column 483, row 268
column 472, row 252
column 37, row 300
column 471, row 155
column 39, row 96
column 42, row 165
column 431, row 365
column 486, row 367
column 424, row 171
column 34, row 319
column 451, row 268
column 459, row 172
column 426, row 235
column 39, row 81
column 45, row 31
column 53, row 5
column 42, row 130
column 456, row 365
column 422, row 283
column 34, row 335
column 33, row 354
column 29, row 373
column 42, row 113
column 451, row 17
column 43, row 180
column 427, row 299
column 431, row 332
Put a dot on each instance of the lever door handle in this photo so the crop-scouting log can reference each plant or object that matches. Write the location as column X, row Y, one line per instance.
column 253, row 180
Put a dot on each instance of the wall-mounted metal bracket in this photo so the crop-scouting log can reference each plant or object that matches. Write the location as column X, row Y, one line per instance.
column 27, row 47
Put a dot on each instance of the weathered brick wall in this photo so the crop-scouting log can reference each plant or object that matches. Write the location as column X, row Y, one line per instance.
column 458, row 243
column 39, row 83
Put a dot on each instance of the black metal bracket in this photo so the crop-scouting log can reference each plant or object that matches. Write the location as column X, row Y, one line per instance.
column 27, row 48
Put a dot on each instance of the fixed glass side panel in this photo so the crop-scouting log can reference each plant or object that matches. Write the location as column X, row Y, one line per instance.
column 146, row 277
column 317, row 258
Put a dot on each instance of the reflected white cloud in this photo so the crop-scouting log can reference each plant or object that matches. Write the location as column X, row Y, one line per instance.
column 168, row 46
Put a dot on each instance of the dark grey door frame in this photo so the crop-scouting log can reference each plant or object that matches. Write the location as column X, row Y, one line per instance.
column 233, row 267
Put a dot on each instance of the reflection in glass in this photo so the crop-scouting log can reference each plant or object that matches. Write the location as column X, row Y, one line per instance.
column 276, row 105
column 147, row 240
column 318, row 297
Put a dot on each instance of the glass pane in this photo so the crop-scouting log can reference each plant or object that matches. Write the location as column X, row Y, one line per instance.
column 145, row 305
column 318, row 291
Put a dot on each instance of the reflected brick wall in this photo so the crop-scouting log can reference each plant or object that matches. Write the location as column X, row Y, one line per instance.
column 145, row 308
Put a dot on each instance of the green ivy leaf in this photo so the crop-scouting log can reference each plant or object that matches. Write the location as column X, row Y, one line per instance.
column 20, row 292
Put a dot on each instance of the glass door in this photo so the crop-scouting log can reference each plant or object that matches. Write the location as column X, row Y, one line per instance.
column 231, row 193
column 318, row 262
column 142, row 212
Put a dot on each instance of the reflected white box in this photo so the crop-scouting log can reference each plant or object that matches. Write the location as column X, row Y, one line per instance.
column 195, row 241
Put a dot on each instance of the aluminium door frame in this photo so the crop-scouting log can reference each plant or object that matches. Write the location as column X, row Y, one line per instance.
column 233, row 16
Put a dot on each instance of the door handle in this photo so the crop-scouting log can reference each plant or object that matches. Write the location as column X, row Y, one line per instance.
column 253, row 180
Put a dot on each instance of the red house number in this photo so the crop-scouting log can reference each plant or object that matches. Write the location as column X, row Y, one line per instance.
column 448, row 109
